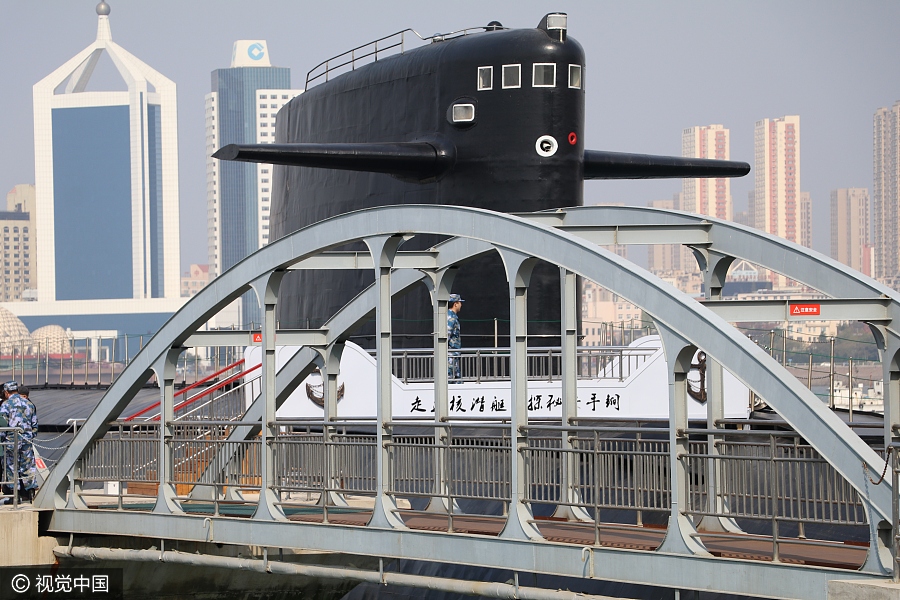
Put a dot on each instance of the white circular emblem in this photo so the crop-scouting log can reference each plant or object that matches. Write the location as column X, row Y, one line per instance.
column 546, row 146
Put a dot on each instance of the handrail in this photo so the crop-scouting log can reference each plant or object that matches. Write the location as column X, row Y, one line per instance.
column 196, row 397
column 353, row 56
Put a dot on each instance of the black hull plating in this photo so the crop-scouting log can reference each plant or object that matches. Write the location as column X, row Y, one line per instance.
column 400, row 98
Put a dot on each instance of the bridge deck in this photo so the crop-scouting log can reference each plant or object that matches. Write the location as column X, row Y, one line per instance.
column 648, row 537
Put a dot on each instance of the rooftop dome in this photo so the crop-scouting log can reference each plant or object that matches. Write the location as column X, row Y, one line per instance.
column 12, row 330
column 51, row 338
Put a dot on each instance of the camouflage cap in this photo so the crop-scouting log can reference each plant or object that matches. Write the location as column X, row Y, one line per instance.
column 10, row 386
column 455, row 298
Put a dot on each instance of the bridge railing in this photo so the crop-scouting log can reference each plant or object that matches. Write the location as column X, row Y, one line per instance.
column 771, row 478
column 492, row 364
column 10, row 440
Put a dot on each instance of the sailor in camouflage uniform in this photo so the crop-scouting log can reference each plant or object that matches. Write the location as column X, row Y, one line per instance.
column 17, row 411
column 453, row 340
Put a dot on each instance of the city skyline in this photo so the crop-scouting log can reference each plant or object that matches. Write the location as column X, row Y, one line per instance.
column 629, row 80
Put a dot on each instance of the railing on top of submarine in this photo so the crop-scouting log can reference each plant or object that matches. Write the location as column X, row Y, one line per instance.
column 416, row 365
column 372, row 50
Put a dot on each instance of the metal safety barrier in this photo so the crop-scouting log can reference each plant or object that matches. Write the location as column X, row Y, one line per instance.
column 543, row 364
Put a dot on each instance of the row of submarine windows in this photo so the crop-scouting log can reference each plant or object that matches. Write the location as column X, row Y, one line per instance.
column 543, row 75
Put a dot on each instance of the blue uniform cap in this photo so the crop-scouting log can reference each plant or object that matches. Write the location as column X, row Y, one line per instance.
column 11, row 386
column 455, row 298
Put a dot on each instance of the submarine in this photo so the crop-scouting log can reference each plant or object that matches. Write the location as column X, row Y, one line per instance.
column 488, row 117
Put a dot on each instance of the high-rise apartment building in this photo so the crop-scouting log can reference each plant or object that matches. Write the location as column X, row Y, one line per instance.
column 886, row 194
column 850, row 226
column 776, row 197
column 106, row 179
column 18, row 255
column 707, row 196
column 804, row 219
column 241, row 109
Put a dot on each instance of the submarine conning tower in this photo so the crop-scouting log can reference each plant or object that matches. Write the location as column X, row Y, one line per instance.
column 484, row 99
column 489, row 118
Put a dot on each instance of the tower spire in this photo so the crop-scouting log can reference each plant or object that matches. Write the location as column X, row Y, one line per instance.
column 103, row 32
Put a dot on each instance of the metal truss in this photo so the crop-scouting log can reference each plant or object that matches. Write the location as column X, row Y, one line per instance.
column 570, row 239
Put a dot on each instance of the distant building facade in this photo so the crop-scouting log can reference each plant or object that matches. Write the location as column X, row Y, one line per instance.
column 106, row 179
column 776, row 202
column 19, row 258
column 603, row 313
column 710, row 196
column 241, row 109
column 886, row 194
column 194, row 280
column 804, row 220
column 850, row 226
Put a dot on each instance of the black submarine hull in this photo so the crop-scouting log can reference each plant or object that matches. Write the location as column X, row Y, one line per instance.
column 495, row 166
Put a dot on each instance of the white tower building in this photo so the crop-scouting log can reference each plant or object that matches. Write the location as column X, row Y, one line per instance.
column 106, row 177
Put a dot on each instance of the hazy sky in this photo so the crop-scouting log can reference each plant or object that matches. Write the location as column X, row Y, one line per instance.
column 653, row 68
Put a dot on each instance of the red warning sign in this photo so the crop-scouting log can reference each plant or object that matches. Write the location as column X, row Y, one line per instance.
column 39, row 462
column 256, row 337
column 805, row 310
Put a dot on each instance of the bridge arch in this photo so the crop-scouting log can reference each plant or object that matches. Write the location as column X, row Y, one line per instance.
column 477, row 231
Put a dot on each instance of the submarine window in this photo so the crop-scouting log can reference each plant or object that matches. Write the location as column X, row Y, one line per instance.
column 544, row 75
column 512, row 76
column 463, row 113
column 575, row 76
column 485, row 78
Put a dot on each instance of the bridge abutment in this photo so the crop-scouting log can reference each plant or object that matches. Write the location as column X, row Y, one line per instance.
column 23, row 544
column 863, row 590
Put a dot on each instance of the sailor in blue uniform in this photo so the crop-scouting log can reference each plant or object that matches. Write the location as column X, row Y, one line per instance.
column 17, row 411
column 453, row 340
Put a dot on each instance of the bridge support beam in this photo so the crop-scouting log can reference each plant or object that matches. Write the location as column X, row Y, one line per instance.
column 331, row 368
column 568, row 284
column 383, row 248
column 440, row 284
column 266, row 288
column 518, row 272
column 715, row 267
column 165, row 369
column 681, row 534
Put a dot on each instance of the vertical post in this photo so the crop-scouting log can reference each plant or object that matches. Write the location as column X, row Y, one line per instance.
column 784, row 359
column 330, row 476
column 165, row 368
column 266, row 288
column 850, row 390
column 382, row 249
column 441, row 501
column 568, row 284
column 831, row 378
column 809, row 372
column 518, row 273
column 679, row 354
column 715, row 269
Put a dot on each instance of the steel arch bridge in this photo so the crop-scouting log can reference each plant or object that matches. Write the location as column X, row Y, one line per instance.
column 572, row 239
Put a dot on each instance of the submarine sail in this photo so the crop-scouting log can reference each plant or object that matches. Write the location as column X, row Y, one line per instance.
column 492, row 120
